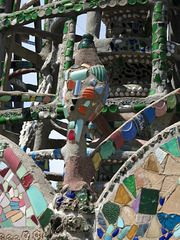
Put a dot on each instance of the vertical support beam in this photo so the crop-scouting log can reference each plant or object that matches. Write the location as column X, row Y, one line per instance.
column 93, row 23
column 159, row 48
column 66, row 50
column 37, row 25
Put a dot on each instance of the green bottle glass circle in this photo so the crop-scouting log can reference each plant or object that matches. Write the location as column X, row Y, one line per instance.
column 132, row 2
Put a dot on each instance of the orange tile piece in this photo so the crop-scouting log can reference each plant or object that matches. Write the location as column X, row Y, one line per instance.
column 66, row 99
column 88, row 93
column 132, row 232
column 16, row 217
column 122, row 196
column 151, row 163
column 11, row 213
column 81, row 109
column 71, row 84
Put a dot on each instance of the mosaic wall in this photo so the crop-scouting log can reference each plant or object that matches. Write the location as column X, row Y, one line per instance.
column 22, row 205
column 145, row 204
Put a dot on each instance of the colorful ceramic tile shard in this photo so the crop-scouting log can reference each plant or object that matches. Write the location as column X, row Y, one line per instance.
column 172, row 147
column 151, row 163
column 107, row 149
column 122, row 196
column 118, row 139
column 111, row 212
column 149, row 201
column 129, row 182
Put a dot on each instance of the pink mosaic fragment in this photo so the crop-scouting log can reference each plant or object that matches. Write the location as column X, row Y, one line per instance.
column 26, row 199
column 7, row 174
column 0, row 210
column 4, row 172
column 15, row 180
column 15, row 199
column 22, row 203
column 71, row 135
column 11, row 193
column 2, row 196
column 23, row 209
column 20, row 188
column 27, row 180
column 5, row 202
column 11, row 159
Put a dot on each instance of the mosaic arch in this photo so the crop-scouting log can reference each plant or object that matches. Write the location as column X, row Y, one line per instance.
column 142, row 199
column 23, row 206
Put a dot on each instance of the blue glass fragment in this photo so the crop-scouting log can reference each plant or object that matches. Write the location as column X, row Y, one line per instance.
column 161, row 201
column 100, row 232
column 70, row 194
column 162, row 238
column 115, row 48
column 168, row 221
column 170, row 234
column 142, row 49
column 163, row 230
column 101, row 221
column 135, row 238
column 115, row 233
column 149, row 114
column 59, row 201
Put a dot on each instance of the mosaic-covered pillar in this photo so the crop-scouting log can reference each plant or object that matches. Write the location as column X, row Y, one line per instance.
column 159, row 47
column 66, row 50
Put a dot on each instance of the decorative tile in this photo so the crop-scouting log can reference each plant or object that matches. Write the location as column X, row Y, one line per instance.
column 107, row 149
column 129, row 182
column 45, row 217
column 71, row 84
column 107, row 237
column 122, row 196
column 78, row 129
column 139, row 178
column 120, row 223
column 101, row 221
column 132, row 232
column 6, row 224
column 77, row 88
column 115, row 233
column 29, row 212
column 21, row 171
column 16, row 217
column 118, row 139
column 151, row 163
column 81, row 109
column 27, row 180
column 110, row 229
column 177, row 231
column 99, row 90
column 96, row 160
column 100, row 232
column 135, row 205
column 37, row 200
column 88, row 93
column 78, row 75
column 149, row 114
column 124, row 232
column 99, row 72
column 111, row 212
column 129, row 131
column 172, row 147
column 128, row 215
column 160, row 154
column 149, row 201
column 172, row 167
column 11, row 159
column 142, row 230
column 154, row 228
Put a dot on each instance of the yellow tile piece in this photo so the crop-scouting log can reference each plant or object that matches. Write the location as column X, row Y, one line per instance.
column 132, row 232
column 96, row 160
column 33, row 98
column 122, row 196
column 151, row 163
column 16, row 217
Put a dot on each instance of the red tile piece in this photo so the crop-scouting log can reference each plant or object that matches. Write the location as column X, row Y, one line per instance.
column 88, row 93
column 71, row 84
column 15, row 180
column 11, row 159
column 34, row 219
column 22, row 203
column 27, row 180
column 118, row 139
column 71, row 135
column 4, row 172
column 9, row 188
column 81, row 109
column 1, row 188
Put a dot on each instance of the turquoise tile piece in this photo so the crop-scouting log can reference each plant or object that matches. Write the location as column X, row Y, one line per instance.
column 172, row 147
column 124, row 232
column 21, row 171
column 37, row 200
column 107, row 149
column 107, row 237
column 86, row 104
column 6, row 224
column 78, row 129
column 79, row 75
column 110, row 229
column 120, row 223
column 177, row 231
